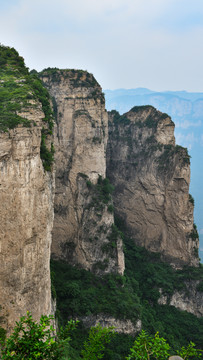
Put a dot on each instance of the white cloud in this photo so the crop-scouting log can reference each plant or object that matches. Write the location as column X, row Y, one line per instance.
column 186, row 140
column 201, row 233
column 186, row 124
column 125, row 43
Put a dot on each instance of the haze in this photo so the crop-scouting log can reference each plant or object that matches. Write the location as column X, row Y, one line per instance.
column 125, row 43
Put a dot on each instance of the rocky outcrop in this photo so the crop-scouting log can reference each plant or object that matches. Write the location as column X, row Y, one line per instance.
column 120, row 326
column 190, row 300
column 151, row 177
column 26, row 212
column 83, row 230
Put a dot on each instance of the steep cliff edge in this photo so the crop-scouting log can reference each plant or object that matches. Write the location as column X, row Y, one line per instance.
column 84, row 231
column 26, row 190
column 151, row 177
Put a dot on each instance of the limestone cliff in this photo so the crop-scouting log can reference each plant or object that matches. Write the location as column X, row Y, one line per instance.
column 190, row 299
column 26, row 190
column 83, row 232
column 151, row 177
column 26, row 211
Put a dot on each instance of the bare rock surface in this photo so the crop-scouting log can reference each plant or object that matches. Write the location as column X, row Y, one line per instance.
column 190, row 300
column 121, row 326
column 151, row 177
column 26, row 212
column 83, row 223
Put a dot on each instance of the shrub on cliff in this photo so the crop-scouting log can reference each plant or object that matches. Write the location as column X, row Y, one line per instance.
column 31, row 340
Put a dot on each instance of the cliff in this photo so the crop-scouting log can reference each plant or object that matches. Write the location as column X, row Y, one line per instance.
column 27, row 190
column 151, row 177
column 84, row 231
column 190, row 299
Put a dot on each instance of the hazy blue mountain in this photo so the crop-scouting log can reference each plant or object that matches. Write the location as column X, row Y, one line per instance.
column 186, row 110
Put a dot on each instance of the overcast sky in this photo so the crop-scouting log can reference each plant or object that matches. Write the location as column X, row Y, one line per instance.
column 156, row 44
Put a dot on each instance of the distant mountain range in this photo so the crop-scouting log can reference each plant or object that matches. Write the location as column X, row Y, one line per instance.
column 186, row 110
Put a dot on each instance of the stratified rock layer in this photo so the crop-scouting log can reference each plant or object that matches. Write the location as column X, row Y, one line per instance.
column 190, row 300
column 121, row 326
column 83, row 223
column 26, row 212
column 151, row 177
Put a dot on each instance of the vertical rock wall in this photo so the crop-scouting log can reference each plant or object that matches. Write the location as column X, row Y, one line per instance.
column 151, row 177
column 83, row 230
column 26, row 213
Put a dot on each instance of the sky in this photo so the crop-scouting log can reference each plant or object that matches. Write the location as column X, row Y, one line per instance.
column 157, row 44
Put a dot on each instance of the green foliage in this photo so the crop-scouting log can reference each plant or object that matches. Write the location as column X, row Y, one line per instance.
column 133, row 296
column 191, row 199
column 119, row 119
column 200, row 286
column 148, row 347
column 94, row 346
column 104, row 189
column 194, row 233
column 190, row 352
column 46, row 155
column 168, row 155
column 9, row 57
column 111, row 208
column 112, row 237
column 32, row 340
column 137, row 109
column 183, row 154
column 150, row 272
column 77, row 78
column 18, row 90
column 100, row 195
column 2, row 336
column 150, row 122
column 81, row 293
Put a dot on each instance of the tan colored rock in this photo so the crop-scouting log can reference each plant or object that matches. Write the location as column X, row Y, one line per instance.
column 190, row 300
column 121, row 326
column 26, row 212
column 82, row 226
column 151, row 177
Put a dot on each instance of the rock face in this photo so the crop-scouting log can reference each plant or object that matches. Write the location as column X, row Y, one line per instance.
column 26, row 212
column 83, row 230
column 121, row 326
column 190, row 300
column 151, row 177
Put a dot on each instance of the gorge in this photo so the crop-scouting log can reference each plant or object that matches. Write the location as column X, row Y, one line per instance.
column 105, row 196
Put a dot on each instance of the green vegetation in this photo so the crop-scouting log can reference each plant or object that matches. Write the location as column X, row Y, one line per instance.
column 194, row 233
column 183, row 154
column 191, row 199
column 32, row 340
column 148, row 347
column 47, row 155
column 149, row 122
column 77, row 78
column 119, row 119
column 100, row 194
column 81, row 293
column 137, row 109
column 18, row 91
column 94, row 346
column 132, row 296
column 2, row 335
column 168, row 155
